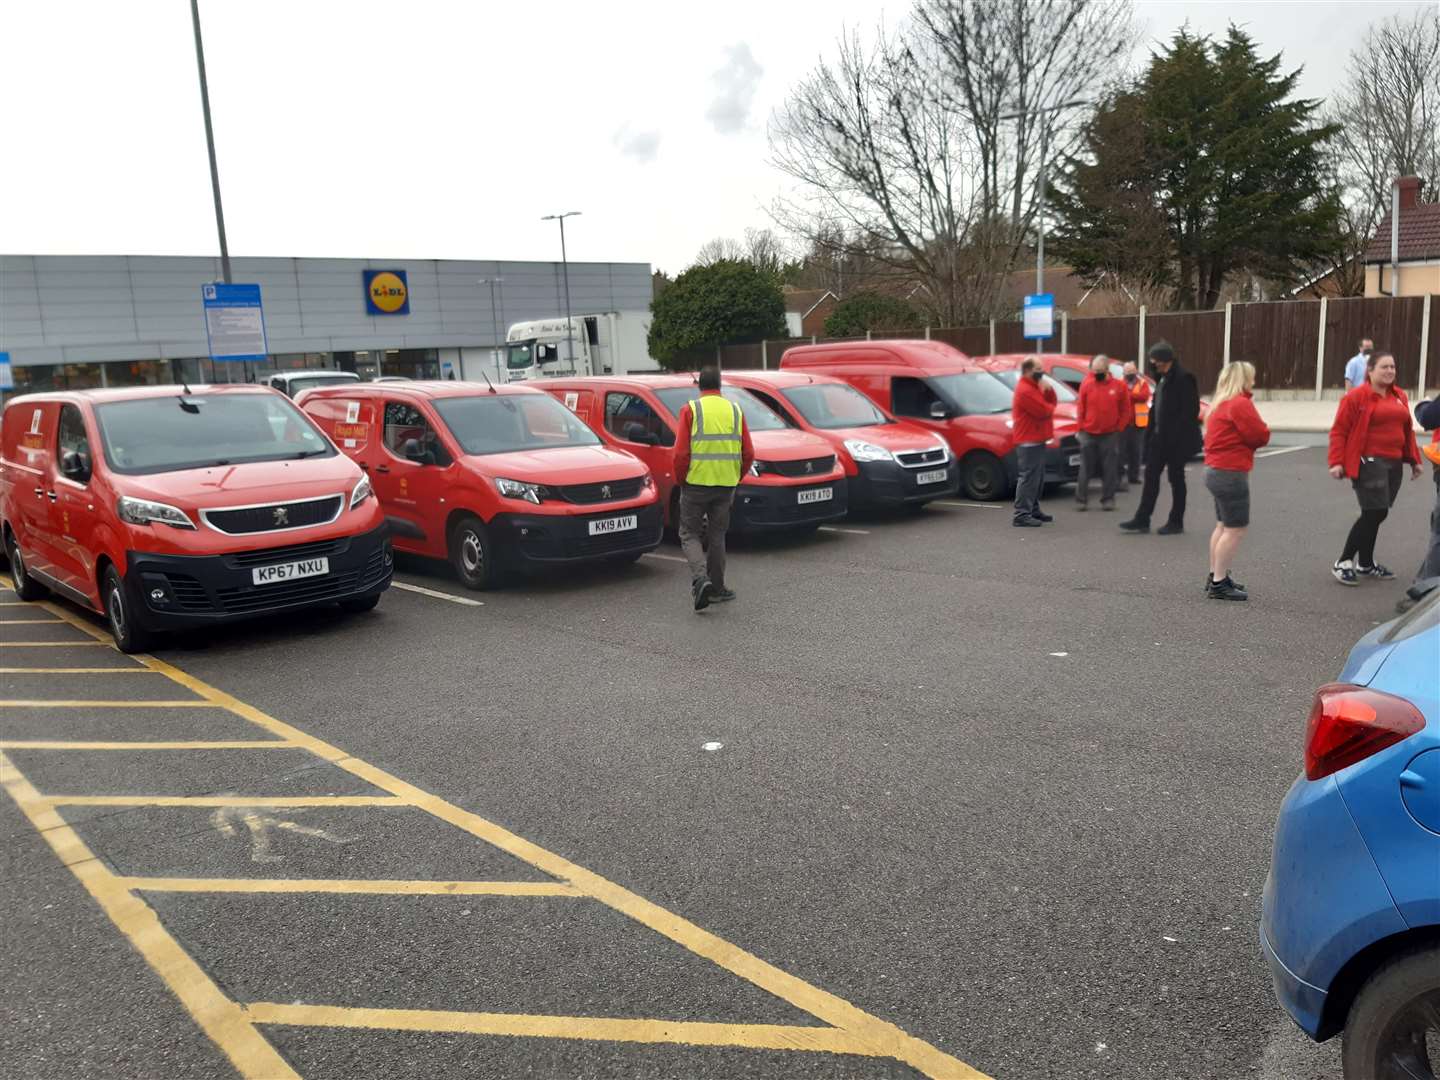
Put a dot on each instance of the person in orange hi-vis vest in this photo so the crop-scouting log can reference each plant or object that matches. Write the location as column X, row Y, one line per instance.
column 1132, row 440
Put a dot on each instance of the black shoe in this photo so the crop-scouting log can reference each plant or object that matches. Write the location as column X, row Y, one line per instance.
column 1107, row 504
column 1135, row 525
column 1042, row 517
column 720, row 596
column 1378, row 572
column 1225, row 590
column 702, row 592
column 1026, row 523
column 1169, row 529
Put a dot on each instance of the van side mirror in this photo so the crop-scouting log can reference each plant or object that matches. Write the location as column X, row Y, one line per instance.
column 940, row 411
column 636, row 433
column 75, row 465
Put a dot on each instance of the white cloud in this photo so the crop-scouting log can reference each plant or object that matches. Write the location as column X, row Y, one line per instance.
column 640, row 145
column 735, row 86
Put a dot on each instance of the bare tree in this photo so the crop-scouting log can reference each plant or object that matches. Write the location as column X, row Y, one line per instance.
column 720, row 249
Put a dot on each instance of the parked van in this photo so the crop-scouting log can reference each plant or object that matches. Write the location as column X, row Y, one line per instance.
column 493, row 478
column 166, row 508
column 938, row 387
column 294, row 383
column 887, row 462
column 795, row 483
column 1007, row 367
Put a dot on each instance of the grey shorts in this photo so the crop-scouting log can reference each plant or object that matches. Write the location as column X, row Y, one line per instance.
column 1231, row 489
column 1378, row 483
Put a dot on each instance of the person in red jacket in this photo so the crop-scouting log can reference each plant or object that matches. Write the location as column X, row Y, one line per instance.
column 1102, row 414
column 1371, row 441
column 1233, row 432
column 1032, row 415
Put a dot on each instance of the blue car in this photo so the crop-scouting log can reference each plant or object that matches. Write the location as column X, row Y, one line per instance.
column 1351, row 923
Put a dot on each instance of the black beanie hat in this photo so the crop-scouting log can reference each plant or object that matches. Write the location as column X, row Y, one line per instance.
column 1162, row 352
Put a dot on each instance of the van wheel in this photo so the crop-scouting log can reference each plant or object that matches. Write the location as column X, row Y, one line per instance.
column 471, row 554
column 130, row 635
column 982, row 475
column 26, row 587
column 1396, row 1012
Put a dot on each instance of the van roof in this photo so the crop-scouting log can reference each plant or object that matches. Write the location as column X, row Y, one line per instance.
column 783, row 379
column 1016, row 359
column 933, row 356
column 423, row 388
column 138, row 393
column 622, row 382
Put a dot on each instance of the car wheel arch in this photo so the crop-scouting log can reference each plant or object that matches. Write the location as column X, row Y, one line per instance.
column 1346, row 985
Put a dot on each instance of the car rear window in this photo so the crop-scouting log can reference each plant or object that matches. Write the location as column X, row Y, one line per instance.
column 758, row 415
column 195, row 431
column 501, row 423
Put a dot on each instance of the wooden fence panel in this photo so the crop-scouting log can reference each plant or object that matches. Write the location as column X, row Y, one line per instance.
column 970, row 340
column 1280, row 340
column 744, row 357
column 1393, row 323
column 1114, row 335
column 1198, row 338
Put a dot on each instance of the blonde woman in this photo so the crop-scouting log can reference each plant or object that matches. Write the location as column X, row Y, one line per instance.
column 1233, row 432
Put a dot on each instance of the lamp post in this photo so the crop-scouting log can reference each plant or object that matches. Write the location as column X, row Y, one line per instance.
column 214, row 168
column 1018, row 114
column 495, row 319
column 565, row 264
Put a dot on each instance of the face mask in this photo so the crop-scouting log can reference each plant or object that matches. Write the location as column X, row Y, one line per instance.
column 1101, row 376
column 1365, row 352
column 1132, row 379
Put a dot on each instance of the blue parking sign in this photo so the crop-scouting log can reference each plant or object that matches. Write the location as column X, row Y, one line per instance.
column 234, row 322
column 1039, row 315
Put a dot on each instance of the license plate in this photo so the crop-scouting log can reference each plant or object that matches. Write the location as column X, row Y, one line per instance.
column 289, row 571
column 614, row 525
column 931, row 477
column 814, row 495
column 1075, row 460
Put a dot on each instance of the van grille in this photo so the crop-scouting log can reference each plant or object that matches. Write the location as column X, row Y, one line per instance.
column 914, row 459
column 188, row 592
column 610, row 491
column 275, row 517
column 809, row 467
column 249, row 599
column 265, row 556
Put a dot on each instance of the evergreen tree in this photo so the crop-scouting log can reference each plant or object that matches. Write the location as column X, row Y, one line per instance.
column 722, row 302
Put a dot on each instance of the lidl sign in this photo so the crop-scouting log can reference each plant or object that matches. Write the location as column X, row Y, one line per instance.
column 386, row 292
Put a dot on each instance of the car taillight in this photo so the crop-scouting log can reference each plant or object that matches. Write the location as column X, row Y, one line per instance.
column 1349, row 723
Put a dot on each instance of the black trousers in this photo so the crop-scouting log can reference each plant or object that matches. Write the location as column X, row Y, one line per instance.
column 1132, row 453
column 1159, row 461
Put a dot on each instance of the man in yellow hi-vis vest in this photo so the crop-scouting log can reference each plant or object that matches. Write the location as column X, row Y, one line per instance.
column 712, row 452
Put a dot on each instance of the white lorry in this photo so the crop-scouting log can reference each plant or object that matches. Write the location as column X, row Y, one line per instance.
column 607, row 343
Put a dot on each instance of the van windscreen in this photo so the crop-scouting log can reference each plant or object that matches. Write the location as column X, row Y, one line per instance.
column 1011, row 378
column 835, row 405
column 758, row 415
column 501, row 423
column 973, row 392
column 196, row 431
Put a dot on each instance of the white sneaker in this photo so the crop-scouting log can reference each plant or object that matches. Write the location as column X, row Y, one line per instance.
column 1344, row 571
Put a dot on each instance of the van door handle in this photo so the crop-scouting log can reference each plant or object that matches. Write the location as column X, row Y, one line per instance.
column 382, row 468
column 52, row 495
column 363, row 466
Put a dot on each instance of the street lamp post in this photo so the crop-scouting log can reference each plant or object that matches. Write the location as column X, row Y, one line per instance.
column 1018, row 114
column 210, row 146
column 565, row 264
column 495, row 320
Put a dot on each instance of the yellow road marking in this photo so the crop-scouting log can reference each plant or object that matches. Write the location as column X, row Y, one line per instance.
column 76, row 671
column 214, row 744
column 29, row 622
column 345, row 885
column 55, row 644
column 40, row 703
column 755, row 1036
column 860, row 1032
column 224, row 1021
column 222, row 800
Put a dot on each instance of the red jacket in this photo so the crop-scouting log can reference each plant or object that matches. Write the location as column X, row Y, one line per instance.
column 682, row 444
column 1032, row 412
column 1104, row 406
column 1352, row 428
column 1233, row 432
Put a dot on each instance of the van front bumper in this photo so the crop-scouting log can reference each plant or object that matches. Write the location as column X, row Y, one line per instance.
column 885, row 484
column 762, row 507
column 178, row 591
column 547, row 539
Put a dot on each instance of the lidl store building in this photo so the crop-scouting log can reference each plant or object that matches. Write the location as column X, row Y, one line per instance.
column 71, row 321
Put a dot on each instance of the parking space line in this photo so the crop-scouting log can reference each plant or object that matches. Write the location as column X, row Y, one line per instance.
column 970, row 505
column 850, row 1029
column 1276, row 451
column 55, row 645
column 222, row 1019
column 688, row 1032
column 437, row 594
column 138, row 703
column 351, row 885
column 217, row 744
column 137, row 670
column 667, row 558
column 30, row 622
column 837, row 529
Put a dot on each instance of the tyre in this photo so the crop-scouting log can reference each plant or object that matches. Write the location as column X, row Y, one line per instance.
column 982, row 477
column 130, row 634
column 472, row 555
column 1391, row 1018
column 358, row 605
column 26, row 587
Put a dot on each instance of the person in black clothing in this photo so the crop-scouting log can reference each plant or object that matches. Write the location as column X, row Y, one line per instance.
column 1174, row 439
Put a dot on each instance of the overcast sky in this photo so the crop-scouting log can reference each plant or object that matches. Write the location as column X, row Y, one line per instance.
column 446, row 128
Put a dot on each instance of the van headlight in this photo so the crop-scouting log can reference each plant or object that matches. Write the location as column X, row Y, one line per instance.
column 861, row 450
column 145, row 512
column 517, row 489
column 362, row 491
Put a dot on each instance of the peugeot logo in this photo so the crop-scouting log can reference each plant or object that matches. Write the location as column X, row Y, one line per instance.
column 605, row 491
column 809, row 466
column 282, row 515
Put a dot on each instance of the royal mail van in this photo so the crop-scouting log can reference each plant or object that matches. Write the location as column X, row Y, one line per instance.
column 166, row 508
column 887, row 462
column 493, row 478
column 795, row 483
column 938, row 387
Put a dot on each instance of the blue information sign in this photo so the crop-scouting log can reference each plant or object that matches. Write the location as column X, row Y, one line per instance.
column 234, row 322
column 1039, row 315
column 7, row 377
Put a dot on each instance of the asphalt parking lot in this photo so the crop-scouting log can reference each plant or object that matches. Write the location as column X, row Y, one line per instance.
column 933, row 791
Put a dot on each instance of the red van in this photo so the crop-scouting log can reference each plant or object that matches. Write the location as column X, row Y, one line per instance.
column 795, row 483
column 494, row 478
column 165, row 508
column 887, row 462
column 938, row 387
column 1007, row 367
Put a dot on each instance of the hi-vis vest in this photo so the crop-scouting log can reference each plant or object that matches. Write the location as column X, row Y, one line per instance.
column 715, row 451
column 1432, row 449
column 1142, row 409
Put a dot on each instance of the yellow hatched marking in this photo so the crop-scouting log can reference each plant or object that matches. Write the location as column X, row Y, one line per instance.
column 224, row 1021
column 855, row 1029
column 344, row 885
column 55, row 645
column 754, row 1036
column 76, row 671
column 222, row 800
column 213, row 744
column 37, row 703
